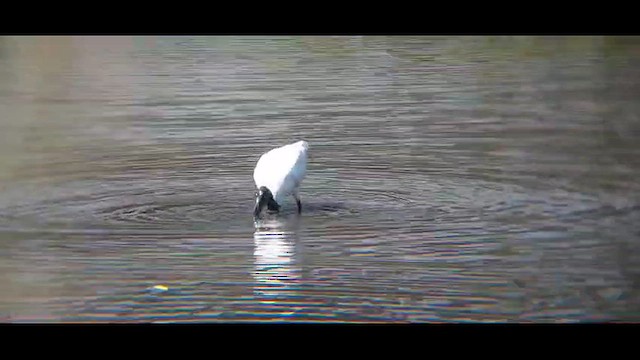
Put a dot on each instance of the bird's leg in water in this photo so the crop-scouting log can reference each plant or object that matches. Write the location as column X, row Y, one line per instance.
column 295, row 195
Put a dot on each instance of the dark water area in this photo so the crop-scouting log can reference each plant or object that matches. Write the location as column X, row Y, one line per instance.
column 450, row 179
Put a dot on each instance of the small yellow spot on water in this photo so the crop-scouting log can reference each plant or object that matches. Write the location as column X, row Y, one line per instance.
column 160, row 288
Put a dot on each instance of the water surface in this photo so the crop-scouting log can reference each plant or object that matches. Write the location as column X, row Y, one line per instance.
column 451, row 179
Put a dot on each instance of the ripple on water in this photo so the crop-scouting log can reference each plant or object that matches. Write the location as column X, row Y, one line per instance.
column 416, row 199
column 440, row 188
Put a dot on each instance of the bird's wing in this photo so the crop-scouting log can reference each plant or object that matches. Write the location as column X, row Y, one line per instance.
column 282, row 169
column 298, row 170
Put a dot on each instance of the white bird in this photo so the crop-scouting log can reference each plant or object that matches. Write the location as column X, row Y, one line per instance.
column 278, row 174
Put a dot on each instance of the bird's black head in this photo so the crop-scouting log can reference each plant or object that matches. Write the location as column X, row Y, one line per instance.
column 264, row 197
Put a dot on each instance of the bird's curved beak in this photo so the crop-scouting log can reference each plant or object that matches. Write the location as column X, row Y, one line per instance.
column 260, row 204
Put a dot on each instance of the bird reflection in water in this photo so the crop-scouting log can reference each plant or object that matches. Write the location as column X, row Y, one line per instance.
column 276, row 272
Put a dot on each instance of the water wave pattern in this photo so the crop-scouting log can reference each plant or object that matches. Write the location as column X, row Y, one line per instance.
column 449, row 180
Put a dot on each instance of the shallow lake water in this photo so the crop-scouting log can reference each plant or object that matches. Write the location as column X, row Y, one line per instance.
column 450, row 179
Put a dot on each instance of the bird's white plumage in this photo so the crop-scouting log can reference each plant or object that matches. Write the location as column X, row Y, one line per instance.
column 282, row 170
